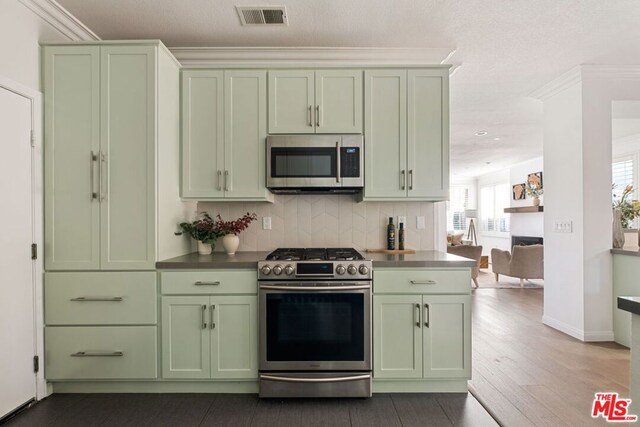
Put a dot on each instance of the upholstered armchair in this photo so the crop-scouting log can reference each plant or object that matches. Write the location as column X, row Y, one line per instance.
column 525, row 262
column 471, row 252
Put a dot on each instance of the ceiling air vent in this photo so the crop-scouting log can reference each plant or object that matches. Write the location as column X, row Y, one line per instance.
column 262, row 15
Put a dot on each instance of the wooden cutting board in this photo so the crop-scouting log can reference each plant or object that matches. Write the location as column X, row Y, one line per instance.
column 392, row 251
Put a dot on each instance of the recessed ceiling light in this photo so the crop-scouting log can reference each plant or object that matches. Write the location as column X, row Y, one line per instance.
column 496, row 139
column 481, row 133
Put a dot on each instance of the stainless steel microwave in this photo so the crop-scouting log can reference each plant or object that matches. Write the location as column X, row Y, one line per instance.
column 315, row 163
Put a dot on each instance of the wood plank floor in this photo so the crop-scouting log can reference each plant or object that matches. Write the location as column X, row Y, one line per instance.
column 527, row 373
column 185, row 410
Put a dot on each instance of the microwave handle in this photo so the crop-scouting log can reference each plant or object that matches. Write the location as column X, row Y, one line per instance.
column 338, row 161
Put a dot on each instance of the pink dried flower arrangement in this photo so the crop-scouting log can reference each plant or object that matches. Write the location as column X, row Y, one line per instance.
column 236, row 226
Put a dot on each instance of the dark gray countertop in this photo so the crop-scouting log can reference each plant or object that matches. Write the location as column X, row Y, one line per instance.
column 630, row 304
column 630, row 252
column 432, row 259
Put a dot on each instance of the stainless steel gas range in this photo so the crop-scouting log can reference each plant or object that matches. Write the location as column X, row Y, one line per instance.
column 315, row 323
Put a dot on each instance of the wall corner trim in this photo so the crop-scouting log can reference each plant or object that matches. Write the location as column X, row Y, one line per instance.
column 60, row 19
column 563, row 327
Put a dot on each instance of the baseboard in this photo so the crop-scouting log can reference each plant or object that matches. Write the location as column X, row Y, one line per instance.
column 596, row 336
column 419, row 386
column 208, row 386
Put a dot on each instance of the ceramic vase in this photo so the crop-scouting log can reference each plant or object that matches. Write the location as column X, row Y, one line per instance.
column 204, row 248
column 230, row 242
column 536, row 201
column 618, row 233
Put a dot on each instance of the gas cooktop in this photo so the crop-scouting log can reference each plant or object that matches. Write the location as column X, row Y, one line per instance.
column 314, row 254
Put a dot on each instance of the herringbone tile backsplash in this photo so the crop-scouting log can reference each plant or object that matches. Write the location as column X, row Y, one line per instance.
column 326, row 221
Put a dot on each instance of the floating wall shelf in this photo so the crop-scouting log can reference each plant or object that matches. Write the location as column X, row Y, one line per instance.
column 524, row 209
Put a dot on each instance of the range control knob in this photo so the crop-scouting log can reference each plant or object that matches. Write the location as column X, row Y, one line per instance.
column 340, row 269
column 352, row 269
column 277, row 270
column 266, row 270
column 288, row 270
column 363, row 269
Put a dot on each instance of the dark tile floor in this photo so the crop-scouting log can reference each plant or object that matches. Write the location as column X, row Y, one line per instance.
column 137, row 410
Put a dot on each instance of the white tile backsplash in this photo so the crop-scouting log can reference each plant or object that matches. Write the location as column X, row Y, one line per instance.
column 326, row 221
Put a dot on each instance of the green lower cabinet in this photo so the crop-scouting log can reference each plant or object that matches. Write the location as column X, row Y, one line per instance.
column 209, row 337
column 422, row 336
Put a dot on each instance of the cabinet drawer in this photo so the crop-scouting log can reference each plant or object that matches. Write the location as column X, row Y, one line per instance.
column 421, row 281
column 209, row 282
column 100, row 352
column 100, row 298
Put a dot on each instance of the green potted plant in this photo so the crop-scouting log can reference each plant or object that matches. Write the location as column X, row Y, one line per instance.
column 203, row 230
column 534, row 191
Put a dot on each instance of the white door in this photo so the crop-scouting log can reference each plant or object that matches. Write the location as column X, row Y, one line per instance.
column 17, row 332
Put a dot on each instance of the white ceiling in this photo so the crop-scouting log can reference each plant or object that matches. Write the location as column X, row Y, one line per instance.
column 506, row 48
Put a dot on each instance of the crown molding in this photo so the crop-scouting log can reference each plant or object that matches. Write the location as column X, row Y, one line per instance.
column 195, row 57
column 610, row 72
column 60, row 19
column 566, row 80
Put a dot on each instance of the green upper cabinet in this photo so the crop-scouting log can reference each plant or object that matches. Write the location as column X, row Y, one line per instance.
column 406, row 134
column 224, row 130
column 321, row 101
column 108, row 123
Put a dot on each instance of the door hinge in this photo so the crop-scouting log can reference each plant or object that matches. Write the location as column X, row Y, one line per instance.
column 33, row 138
column 36, row 363
column 34, row 251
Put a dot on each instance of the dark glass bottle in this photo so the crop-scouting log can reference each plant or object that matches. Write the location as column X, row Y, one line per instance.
column 401, row 237
column 391, row 235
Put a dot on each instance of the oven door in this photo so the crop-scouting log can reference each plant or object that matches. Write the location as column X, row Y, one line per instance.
column 306, row 329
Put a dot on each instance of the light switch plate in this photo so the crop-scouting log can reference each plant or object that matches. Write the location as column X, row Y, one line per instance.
column 563, row 227
column 402, row 220
column 266, row 223
column 420, row 224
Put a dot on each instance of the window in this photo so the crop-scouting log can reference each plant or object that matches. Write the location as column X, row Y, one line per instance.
column 493, row 199
column 621, row 176
column 458, row 202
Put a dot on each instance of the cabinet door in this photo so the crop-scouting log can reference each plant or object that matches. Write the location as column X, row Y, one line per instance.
column 447, row 336
column 397, row 328
column 385, row 121
column 234, row 337
column 291, row 101
column 185, row 337
column 245, row 107
column 202, row 134
column 128, row 134
column 71, row 134
column 428, row 134
column 339, row 101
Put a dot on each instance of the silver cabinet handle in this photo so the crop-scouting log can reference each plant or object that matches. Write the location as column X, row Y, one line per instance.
column 103, row 162
column 227, row 178
column 403, row 179
column 317, row 115
column 337, row 161
column 219, row 180
column 418, row 315
column 97, row 354
column 410, row 179
column 94, row 158
column 199, row 283
column 102, row 299
column 204, row 322
column 211, row 322
column 423, row 282
column 426, row 315
column 315, row 380
column 310, row 120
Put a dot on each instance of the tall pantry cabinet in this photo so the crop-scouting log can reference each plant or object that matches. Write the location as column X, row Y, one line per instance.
column 111, row 185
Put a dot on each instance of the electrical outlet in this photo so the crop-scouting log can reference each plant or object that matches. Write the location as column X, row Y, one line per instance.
column 266, row 223
column 563, row 227
column 420, row 224
column 402, row 220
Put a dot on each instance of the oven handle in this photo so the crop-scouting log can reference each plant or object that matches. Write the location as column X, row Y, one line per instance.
column 315, row 288
column 315, row 380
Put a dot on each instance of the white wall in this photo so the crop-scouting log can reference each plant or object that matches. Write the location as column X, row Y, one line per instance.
column 526, row 224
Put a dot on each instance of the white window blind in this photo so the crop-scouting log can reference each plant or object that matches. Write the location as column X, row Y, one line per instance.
column 621, row 176
column 493, row 200
column 458, row 202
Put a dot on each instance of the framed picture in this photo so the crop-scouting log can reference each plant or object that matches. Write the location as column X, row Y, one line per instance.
column 517, row 191
column 535, row 179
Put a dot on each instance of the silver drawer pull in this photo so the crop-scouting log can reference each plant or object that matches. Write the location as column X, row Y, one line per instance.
column 199, row 283
column 98, row 354
column 424, row 282
column 108, row 299
column 315, row 380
